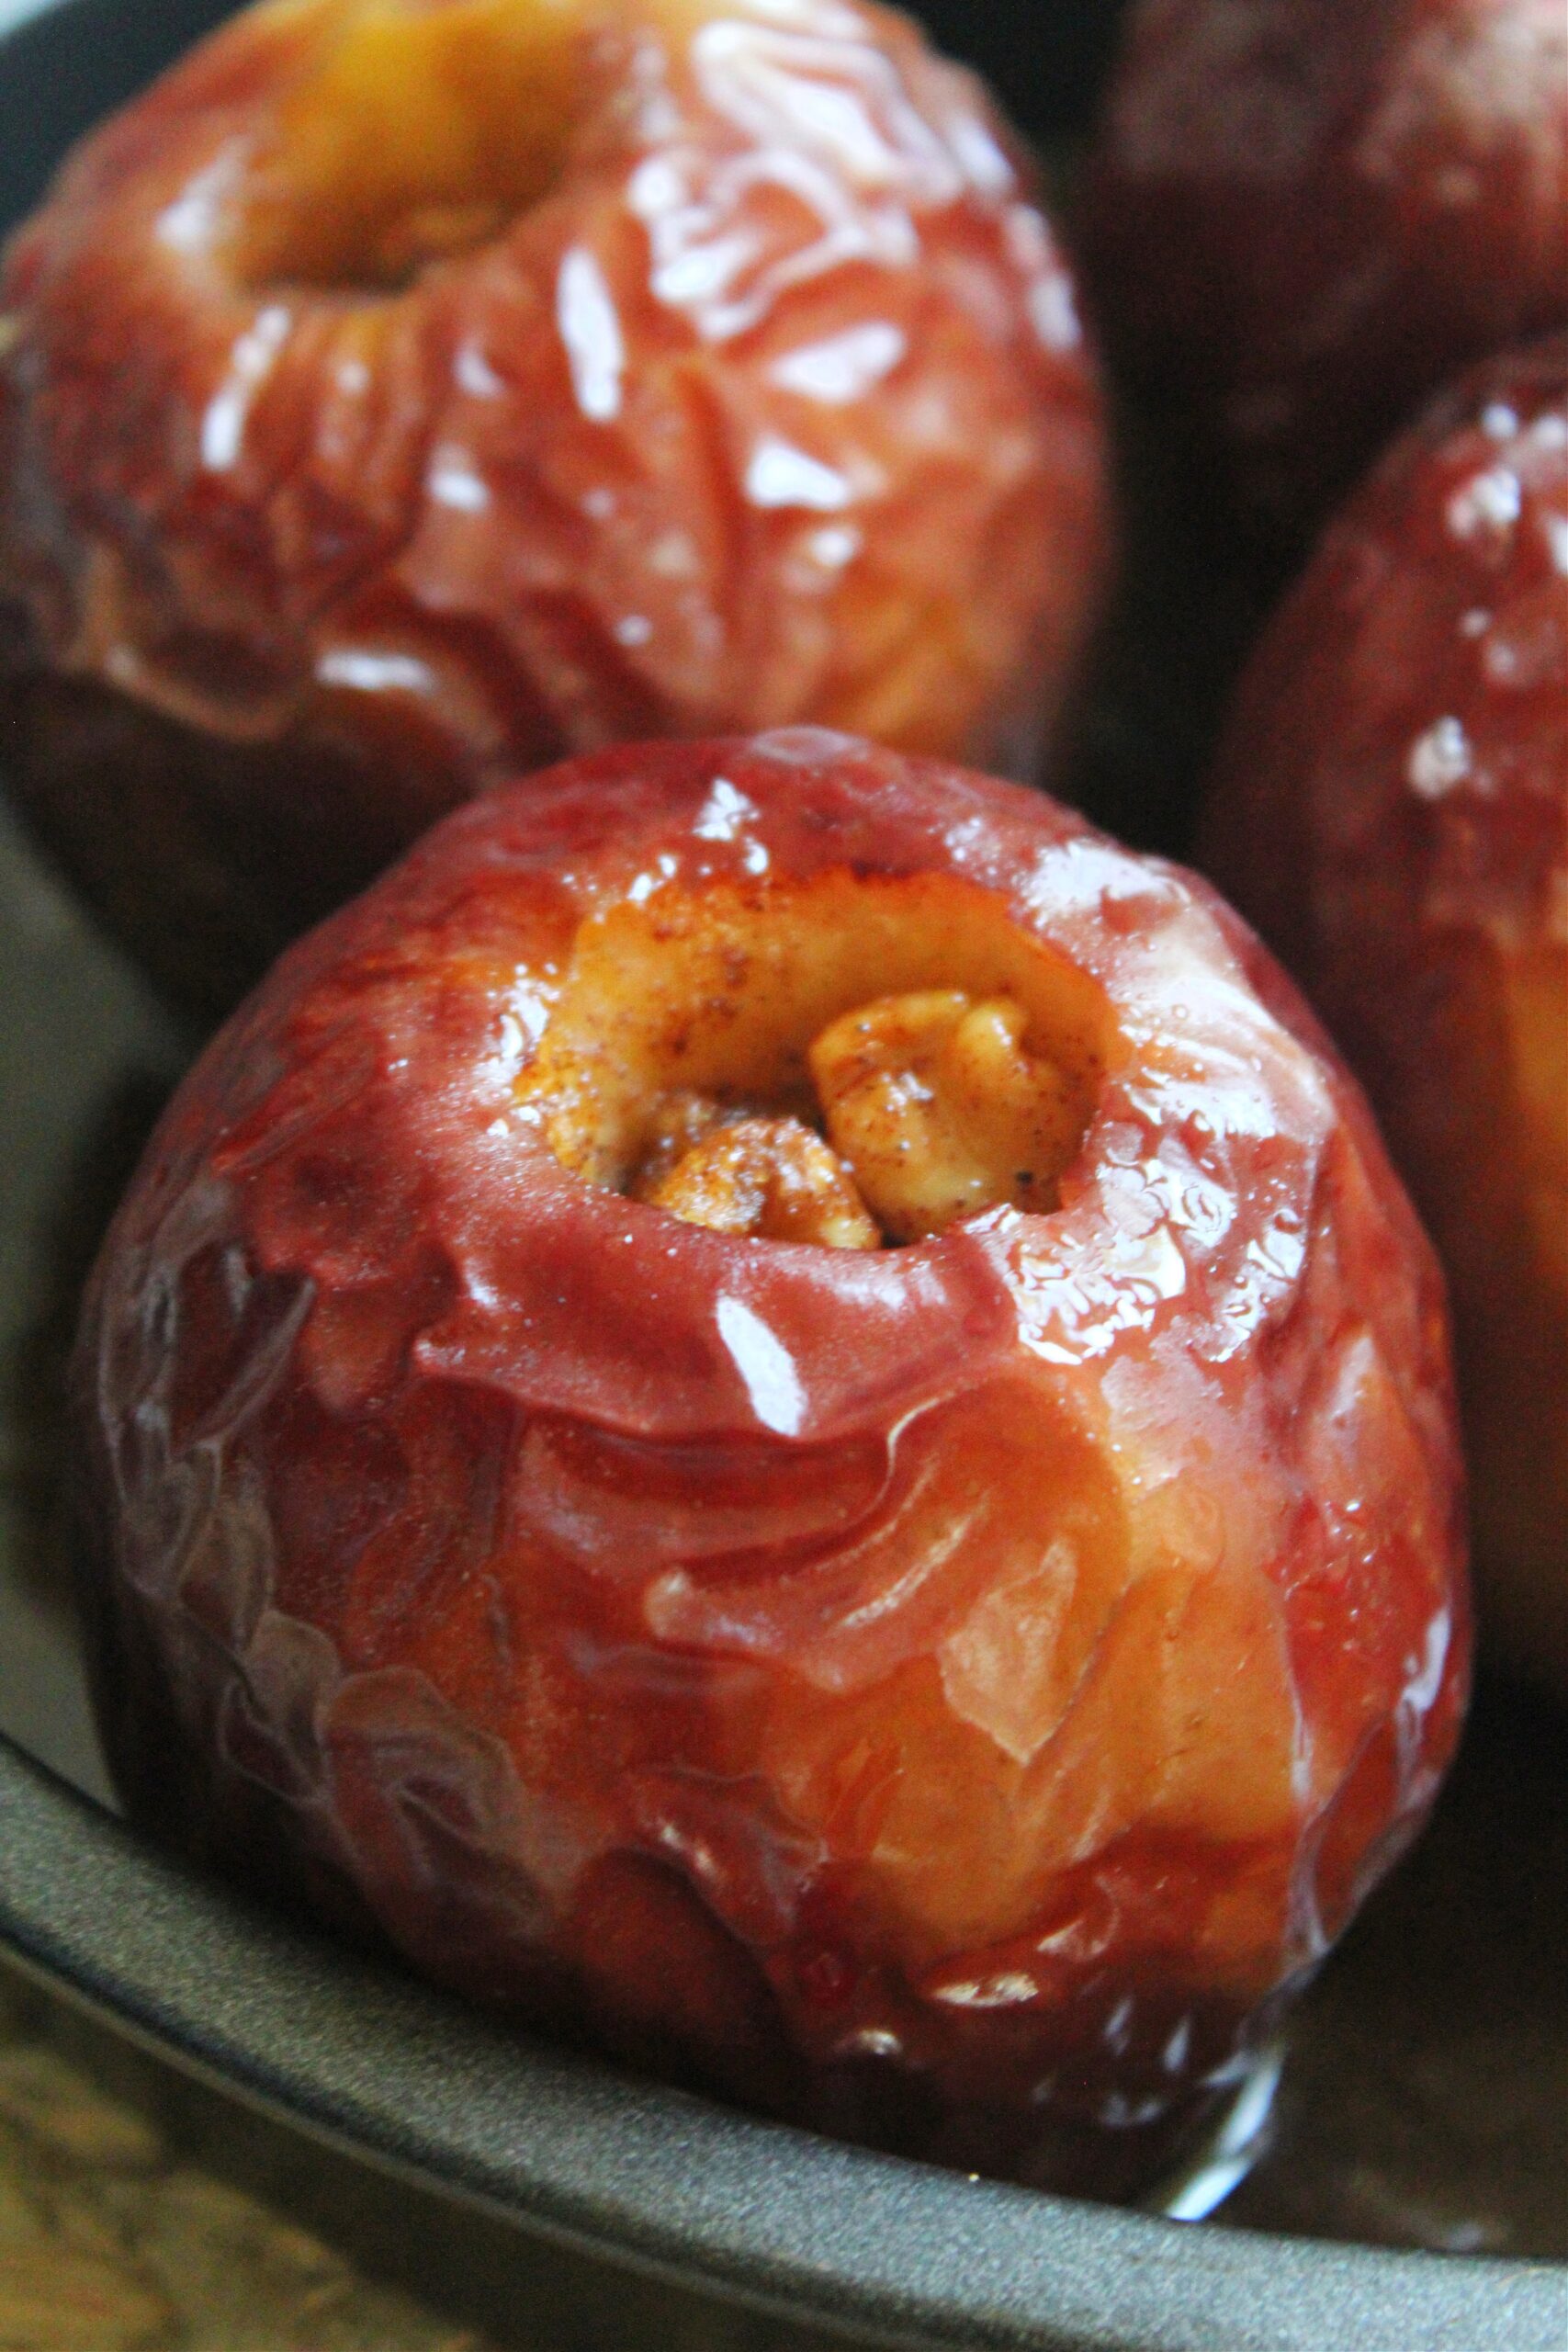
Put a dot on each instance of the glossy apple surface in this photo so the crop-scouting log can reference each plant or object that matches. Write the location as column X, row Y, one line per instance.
column 404, row 392
column 1309, row 214
column 1391, row 808
column 946, row 1690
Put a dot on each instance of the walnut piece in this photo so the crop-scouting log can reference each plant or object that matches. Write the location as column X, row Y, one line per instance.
column 935, row 1109
column 940, row 1111
column 771, row 1178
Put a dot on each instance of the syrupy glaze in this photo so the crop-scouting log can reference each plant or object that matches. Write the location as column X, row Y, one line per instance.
column 1307, row 215
column 946, row 1693
column 1391, row 808
column 407, row 391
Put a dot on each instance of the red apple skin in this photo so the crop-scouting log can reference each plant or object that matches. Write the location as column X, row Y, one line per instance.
column 948, row 1696
column 1307, row 215
column 1391, row 808
column 774, row 407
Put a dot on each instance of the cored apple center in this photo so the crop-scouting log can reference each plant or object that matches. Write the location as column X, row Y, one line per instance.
column 409, row 133
column 848, row 1060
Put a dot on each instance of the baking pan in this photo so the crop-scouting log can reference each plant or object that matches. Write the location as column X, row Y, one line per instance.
column 641, row 2215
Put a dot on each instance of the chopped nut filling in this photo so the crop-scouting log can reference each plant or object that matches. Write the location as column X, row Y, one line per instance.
column 771, row 1178
column 680, row 1121
column 849, row 1061
column 934, row 1107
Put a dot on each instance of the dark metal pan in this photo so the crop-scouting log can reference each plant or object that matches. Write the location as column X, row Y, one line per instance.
column 639, row 2206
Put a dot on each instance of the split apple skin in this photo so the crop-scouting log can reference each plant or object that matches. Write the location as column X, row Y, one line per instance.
column 948, row 1695
column 403, row 393
column 1305, row 216
column 1391, row 808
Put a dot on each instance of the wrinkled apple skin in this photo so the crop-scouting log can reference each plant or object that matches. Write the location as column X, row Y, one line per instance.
column 947, row 1695
column 1391, row 809
column 1307, row 215
column 773, row 407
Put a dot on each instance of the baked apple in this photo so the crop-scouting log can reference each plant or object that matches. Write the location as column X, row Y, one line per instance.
column 1392, row 808
column 779, row 1409
column 404, row 392
column 1306, row 215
